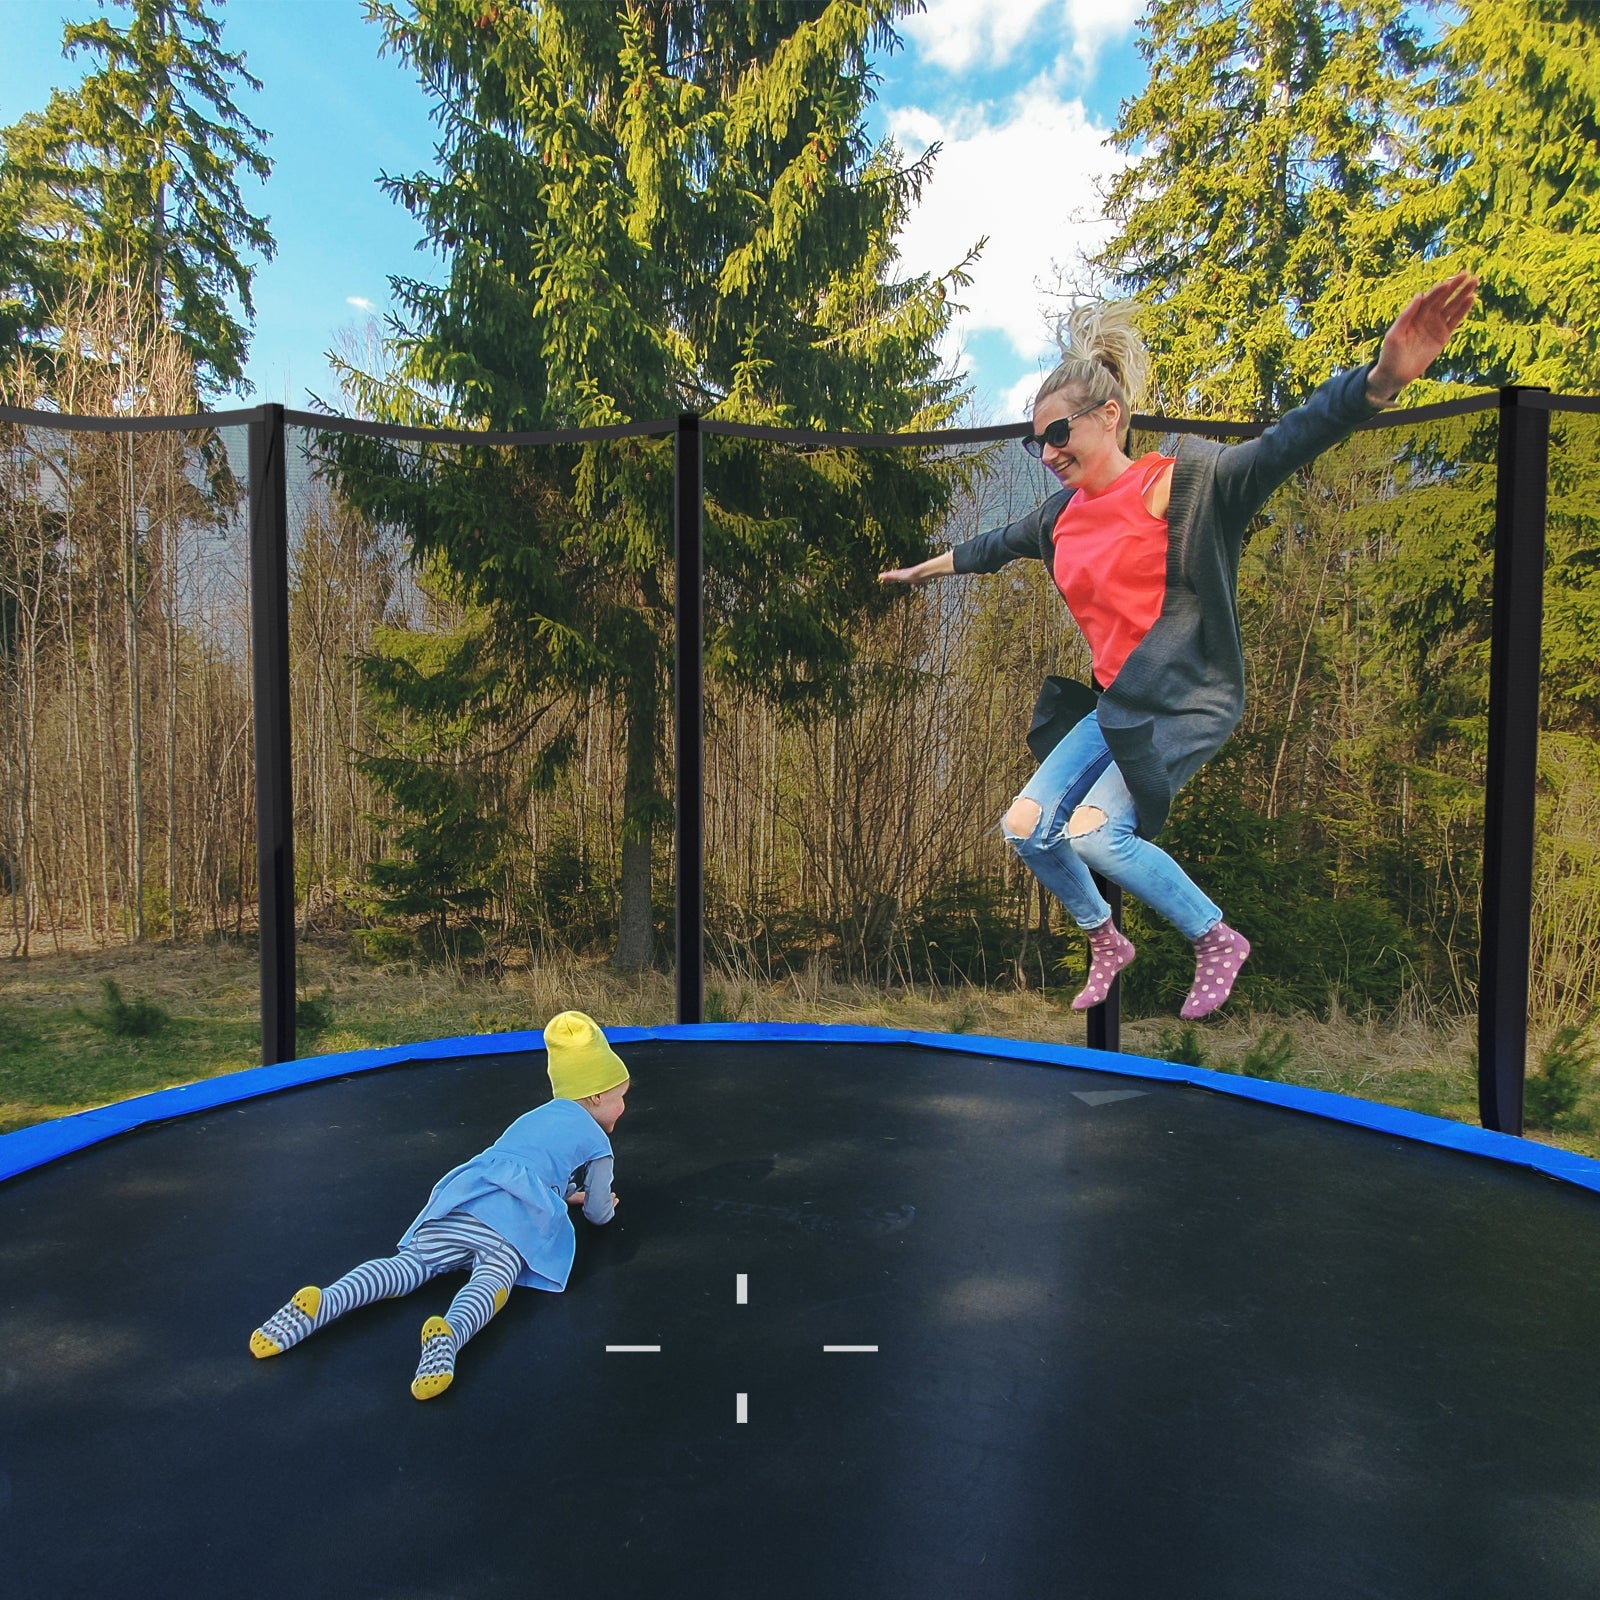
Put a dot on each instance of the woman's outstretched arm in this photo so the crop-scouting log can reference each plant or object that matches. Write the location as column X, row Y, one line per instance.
column 940, row 566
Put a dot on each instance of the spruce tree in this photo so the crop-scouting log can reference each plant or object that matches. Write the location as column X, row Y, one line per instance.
column 649, row 208
column 1513, row 189
column 448, row 852
column 31, row 279
column 133, row 175
column 1269, row 134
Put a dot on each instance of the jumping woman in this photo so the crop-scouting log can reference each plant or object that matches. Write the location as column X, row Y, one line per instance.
column 1146, row 555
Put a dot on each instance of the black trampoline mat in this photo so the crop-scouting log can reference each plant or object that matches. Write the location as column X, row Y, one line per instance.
column 1132, row 1339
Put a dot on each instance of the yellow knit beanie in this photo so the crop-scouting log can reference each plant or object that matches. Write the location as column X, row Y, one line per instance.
column 581, row 1062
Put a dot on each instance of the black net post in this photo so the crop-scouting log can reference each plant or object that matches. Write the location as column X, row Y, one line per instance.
column 689, row 795
column 269, row 626
column 1105, row 1020
column 1508, row 832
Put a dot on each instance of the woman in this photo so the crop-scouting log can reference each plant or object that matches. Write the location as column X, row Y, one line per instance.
column 1146, row 555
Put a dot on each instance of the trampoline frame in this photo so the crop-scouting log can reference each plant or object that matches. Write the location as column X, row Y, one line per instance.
column 46, row 1142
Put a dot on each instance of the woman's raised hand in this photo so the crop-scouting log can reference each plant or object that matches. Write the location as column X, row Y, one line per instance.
column 1420, row 332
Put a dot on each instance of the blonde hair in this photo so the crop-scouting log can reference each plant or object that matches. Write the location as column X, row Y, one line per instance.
column 1103, row 358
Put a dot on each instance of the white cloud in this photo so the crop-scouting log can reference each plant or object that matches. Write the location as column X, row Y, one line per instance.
column 961, row 34
column 360, row 302
column 1016, row 405
column 1097, row 22
column 1024, row 176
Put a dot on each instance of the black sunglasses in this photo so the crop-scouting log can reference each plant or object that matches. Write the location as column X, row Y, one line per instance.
column 1057, row 434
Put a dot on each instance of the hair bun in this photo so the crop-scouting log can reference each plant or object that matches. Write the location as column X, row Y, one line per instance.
column 1106, row 332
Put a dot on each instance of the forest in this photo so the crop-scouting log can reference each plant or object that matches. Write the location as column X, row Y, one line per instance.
column 481, row 634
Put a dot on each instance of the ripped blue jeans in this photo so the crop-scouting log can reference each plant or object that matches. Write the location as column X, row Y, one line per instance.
column 1080, row 772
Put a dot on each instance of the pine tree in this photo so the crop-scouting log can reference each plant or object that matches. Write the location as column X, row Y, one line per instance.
column 651, row 208
column 133, row 176
column 1269, row 134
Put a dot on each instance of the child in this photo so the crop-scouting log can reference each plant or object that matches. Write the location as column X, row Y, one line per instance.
column 502, row 1215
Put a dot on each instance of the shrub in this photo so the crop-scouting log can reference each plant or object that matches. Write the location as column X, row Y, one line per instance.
column 1311, row 931
column 139, row 1019
column 313, row 1015
column 380, row 945
column 1183, row 1046
column 1270, row 1056
column 1552, row 1095
column 961, row 932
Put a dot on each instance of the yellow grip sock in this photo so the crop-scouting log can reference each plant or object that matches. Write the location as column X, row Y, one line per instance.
column 288, row 1326
column 437, row 1367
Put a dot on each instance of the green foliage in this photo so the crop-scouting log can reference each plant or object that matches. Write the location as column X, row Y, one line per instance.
column 1302, row 167
column 646, row 210
column 381, row 946
column 313, row 1016
column 1182, row 1046
column 1266, row 132
column 965, row 1019
column 1270, row 1056
column 728, row 1005
column 1311, row 934
column 573, row 892
column 960, row 933
column 137, row 1019
column 133, row 177
column 31, row 276
column 1566, row 1066
column 1512, row 187
column 436, row 694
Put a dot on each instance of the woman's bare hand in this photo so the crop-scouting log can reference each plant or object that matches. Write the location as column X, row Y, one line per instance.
column 1418, row 335
column 942, row 565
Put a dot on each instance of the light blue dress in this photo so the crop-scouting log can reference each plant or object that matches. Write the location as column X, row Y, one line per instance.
column 519, row 1185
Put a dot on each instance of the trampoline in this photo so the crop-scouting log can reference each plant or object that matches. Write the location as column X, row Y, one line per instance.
column 1106, row 1332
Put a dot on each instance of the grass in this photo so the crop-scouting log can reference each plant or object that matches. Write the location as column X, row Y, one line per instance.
column 61, row 1048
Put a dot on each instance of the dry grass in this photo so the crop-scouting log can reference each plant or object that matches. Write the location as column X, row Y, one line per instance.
column 56, row 1057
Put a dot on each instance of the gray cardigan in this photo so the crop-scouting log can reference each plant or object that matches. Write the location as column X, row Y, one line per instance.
column 1181, row 693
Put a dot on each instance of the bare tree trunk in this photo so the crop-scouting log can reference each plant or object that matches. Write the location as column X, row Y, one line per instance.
column 171, row 565
column 130, row 613
column 636, row 934
column 1289, row 721
column 104, row 745
column 69, row 634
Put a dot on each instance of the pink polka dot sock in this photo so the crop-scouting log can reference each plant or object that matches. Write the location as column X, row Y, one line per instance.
column 1109, row 953
column 1218, row 955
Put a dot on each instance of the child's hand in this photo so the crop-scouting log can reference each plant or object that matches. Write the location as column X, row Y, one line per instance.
column 577, row 1197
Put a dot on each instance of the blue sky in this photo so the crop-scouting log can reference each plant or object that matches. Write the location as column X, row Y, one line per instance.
column 1021, row 94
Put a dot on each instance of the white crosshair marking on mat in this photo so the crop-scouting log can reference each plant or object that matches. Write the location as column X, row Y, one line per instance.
column 741, row 1297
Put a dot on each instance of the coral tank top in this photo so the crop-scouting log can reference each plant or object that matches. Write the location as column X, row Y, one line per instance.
column 1111, row 564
